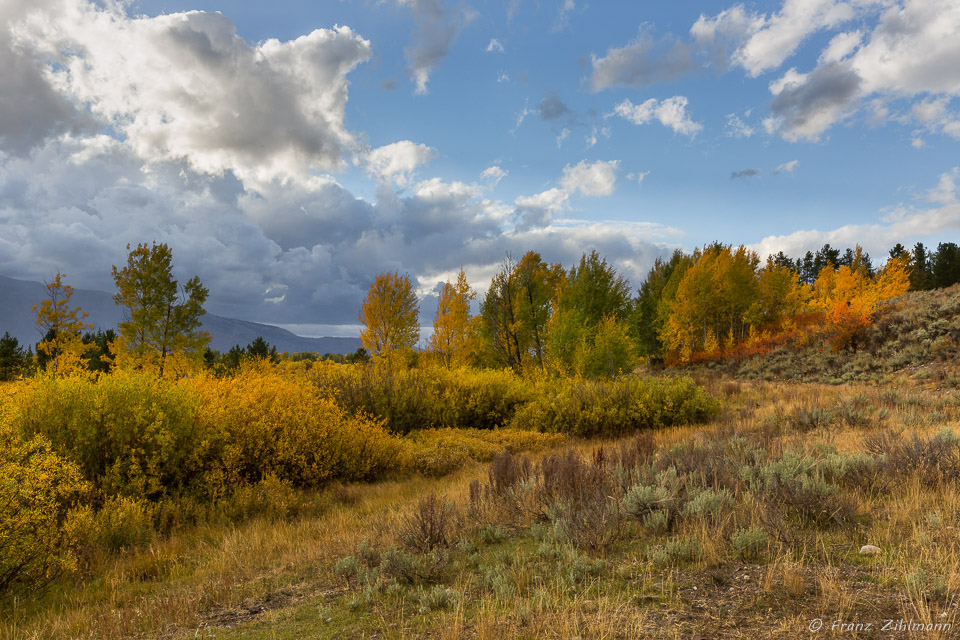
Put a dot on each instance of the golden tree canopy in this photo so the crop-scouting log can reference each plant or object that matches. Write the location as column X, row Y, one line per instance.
column 390, row 315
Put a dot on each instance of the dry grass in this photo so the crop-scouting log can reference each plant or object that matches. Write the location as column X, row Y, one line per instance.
column 504, row 569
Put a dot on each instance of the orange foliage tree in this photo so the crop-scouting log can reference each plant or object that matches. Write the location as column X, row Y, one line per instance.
column 849, row 297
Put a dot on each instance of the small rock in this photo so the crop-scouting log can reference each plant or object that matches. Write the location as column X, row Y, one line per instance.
column 869, row 550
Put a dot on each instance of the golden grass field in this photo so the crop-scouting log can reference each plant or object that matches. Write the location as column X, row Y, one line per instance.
column 565, row 550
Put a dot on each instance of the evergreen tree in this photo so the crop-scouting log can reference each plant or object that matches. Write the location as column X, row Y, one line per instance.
column 13, row 359
column 921, row 277
column 946, row 265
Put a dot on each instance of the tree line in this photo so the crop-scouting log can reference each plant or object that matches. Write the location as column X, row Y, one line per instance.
column 534, row 317
column 717, row 301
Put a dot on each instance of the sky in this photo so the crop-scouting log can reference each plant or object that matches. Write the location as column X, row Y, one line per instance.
column 289, row 151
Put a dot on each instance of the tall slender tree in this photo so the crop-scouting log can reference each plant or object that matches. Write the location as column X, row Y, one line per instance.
column 161, row 317
column 61, row 325
column 451, row 326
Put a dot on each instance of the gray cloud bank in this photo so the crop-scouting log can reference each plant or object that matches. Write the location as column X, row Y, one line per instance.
column 174, row 129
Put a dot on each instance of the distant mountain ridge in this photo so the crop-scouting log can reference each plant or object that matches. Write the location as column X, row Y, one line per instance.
column 17, row 298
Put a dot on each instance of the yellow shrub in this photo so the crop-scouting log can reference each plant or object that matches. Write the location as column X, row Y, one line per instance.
column 265, row 423
column 37, row 489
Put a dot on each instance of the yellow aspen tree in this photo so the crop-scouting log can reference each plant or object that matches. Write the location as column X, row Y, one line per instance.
column 451, row 326
column 390, row 315
column 61, row 326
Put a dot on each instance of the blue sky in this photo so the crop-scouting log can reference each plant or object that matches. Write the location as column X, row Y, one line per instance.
column 289, row 151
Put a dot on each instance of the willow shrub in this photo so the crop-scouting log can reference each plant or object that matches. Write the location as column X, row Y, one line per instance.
column 266, row 424
column 134, row 435
column 130, row 433
column 430, row 397
column 614, row 407
column 37, row 488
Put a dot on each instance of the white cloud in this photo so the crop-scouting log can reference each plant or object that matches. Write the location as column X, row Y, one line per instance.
column 502, row 77
column 591, row 140
column 494, row 46
column 737, row 128
column 591, row 179
column 670, row 113
column 521, row 116
column 918, row 143
column 786, row 167
column 638, row 176
column 539, row 210
column 911, row 52
column 841, row 46
column 563, row 16
column 792, row 78
column 493, row 174
column 928, row 110
column 186, row 87
column 552, row 199
column 564, row 133
column 764, row 42
column 396, row 162
column 945, row 192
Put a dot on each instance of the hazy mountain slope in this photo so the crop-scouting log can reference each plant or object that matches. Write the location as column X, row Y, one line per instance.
column 17, row 298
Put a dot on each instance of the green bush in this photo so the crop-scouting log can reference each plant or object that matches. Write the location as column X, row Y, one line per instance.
column 750, row 543
column 708, row 503
column 624, row 405
column 641, row 501
column 425, row 398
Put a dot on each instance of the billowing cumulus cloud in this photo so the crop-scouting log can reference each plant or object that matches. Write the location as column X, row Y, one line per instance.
column 224, row 150
column 31, row 109
column 671, row 112
column 185, row 87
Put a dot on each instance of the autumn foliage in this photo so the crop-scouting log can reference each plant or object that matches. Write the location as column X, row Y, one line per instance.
column 719, row 302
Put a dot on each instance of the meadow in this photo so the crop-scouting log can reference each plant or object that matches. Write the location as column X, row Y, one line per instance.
column 724, row 509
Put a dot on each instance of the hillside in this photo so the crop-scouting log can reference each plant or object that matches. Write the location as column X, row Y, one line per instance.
column 19, row 296
column 917, row 334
